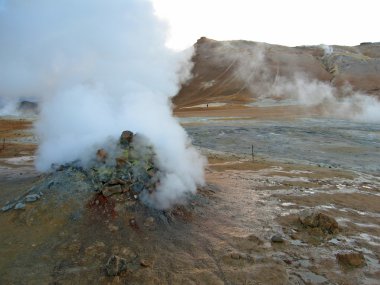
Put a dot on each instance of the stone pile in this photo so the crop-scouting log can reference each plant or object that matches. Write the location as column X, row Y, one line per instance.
column 129, row 169
column 125, row 167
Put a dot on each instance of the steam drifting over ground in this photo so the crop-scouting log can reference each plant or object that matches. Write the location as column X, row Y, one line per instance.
column 251, row 67
column 98, row 68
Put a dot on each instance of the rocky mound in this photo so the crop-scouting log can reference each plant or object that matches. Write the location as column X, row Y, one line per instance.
column 127, row 168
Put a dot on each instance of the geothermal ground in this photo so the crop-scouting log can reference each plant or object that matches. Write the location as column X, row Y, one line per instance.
column 249, row 225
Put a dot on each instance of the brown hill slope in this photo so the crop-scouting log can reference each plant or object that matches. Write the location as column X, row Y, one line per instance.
column 238, row 72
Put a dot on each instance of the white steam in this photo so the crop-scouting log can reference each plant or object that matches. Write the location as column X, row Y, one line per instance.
column 338, row 102
column 328, row 50
column 98, row 68
column 264, row 81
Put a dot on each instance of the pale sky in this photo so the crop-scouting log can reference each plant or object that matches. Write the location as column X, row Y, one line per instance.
column 286, row 22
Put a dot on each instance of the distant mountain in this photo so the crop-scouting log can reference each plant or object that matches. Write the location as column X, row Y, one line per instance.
column 242, row 71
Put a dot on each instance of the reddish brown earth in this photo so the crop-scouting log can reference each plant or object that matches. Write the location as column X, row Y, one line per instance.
column 222, row 237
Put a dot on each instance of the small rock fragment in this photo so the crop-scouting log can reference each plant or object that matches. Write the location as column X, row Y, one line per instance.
column 117, row 181
column 19, row 206
column 351, row 258
column 7, row 207
column 111, row 190
column 113, row 228
column 277, row 238
column 115, row 265
column 149, row 222
column 144, row 263
column 133, row 223
column 32, row 198
column 235, row 255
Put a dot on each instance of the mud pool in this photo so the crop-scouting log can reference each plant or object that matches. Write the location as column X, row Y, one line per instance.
column 324, row 142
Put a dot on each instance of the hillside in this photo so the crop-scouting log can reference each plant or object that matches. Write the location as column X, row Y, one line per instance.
column 240, row 72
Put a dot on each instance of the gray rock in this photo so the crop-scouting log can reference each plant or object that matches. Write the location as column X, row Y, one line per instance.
column 115, row 265
column 311, row 278
column 32, row 198
column 19, row 206
column 277, row 238
column 138, row 187
column 7, row 207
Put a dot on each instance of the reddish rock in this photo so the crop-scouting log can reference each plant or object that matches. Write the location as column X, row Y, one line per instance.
column 101, row 155
column 121, row 162
column 126, row 138
column 351, row 258
column 313, row 219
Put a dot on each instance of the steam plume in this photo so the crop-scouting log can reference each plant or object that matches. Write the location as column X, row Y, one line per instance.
column 252, row 68
column 98, row 68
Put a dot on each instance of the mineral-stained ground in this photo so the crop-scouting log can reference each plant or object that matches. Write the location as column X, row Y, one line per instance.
column 303, row 209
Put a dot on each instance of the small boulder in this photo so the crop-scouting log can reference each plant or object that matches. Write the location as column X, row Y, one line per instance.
column 115, row 265
column 351, row 258
column 126, row 138
column 314, row 219
column 32, row 198
column 19, row 206
column 277, row 238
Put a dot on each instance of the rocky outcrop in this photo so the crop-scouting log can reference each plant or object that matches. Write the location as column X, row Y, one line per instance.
column 359, row 66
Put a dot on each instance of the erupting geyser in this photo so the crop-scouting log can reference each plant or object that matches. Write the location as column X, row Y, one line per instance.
column 98, row 68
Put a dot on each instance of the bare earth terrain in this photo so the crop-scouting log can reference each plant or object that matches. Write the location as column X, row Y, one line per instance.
column 246, row 226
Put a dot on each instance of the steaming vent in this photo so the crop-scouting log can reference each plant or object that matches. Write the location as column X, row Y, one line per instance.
column 127, row 167
column 125, row 170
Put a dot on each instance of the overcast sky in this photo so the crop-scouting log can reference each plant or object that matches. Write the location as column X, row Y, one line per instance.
column 286, row 22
